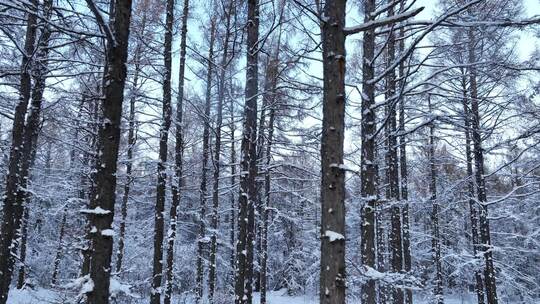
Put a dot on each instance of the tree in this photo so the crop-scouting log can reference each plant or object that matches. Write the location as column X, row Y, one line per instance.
column 159, row 225
column 179, row 154
column 485, row 237
column 332, row 286
column 102, row 203
column 225, row 59
column 368, row 171
column 435, row 234
column 392, row 192
column 19, row 157
column 248, row 163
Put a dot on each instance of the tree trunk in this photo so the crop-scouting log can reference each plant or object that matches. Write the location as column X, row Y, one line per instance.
column 108, row 143
column 260, row 184
column 22, row 255
column 248, row 189
column 22, row 195
column 11, row 209
column 404, row 191
column 270, row 94
column 265, row 209
column 381, row 250
column 24, row 141
column 479, row 284
column 485, row 237
column 435, row 241
column 332, row 276
column 232, row 199
column 159, row 226
column 217, row 157
column 178, row 165
column 392, row 170
column 368, row 171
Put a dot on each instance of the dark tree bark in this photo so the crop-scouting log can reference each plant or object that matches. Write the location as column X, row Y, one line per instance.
column 22, row 255
column 435, row 236
column 392, row 169
column 332, row 276
column 103, row 199
column 10, row 208
column 368, row 171
column 233, row 184
column 23, row 195
column 31, row 137
column 178, row 152
column 216, row 161
column 479, row 284
column 248, row 188
column 159, row 226
column 485, row 235
column 24, row 137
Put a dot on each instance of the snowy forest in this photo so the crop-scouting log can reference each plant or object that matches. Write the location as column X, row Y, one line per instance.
column 270, row 151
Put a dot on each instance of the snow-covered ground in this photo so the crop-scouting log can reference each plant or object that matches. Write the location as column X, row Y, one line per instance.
column 43, row 296
column 277, row 297
column 30, row 296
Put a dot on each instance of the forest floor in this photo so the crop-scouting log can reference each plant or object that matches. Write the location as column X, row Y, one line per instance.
column 43, row 296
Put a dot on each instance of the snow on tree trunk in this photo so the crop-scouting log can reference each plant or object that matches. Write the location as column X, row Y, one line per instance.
column 108, row 144
column 332, row 272
column 177, row 181
column 368, row 170
column 248, row 163
column 159, row 221
column 435, row 234
column 485, row 235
